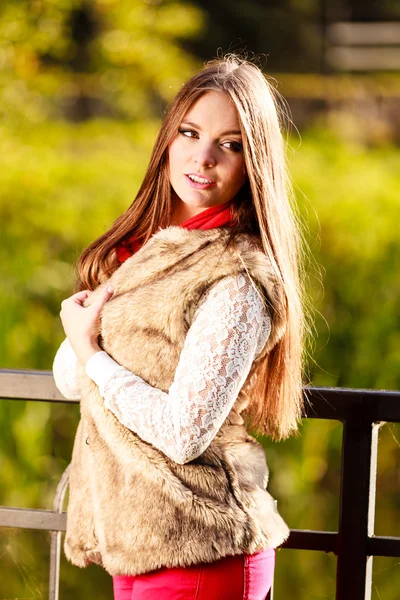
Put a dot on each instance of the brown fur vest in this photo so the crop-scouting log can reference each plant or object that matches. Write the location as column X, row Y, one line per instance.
column 131, row 508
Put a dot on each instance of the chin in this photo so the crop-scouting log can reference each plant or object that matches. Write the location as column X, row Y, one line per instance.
column 197, row 201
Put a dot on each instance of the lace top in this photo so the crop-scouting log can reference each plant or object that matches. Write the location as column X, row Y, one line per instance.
column 230, row 327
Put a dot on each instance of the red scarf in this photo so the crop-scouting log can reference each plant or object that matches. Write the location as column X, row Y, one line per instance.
column 215, row 216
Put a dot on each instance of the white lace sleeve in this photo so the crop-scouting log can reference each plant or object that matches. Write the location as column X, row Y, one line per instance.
column 65, row 371
column 229, row 329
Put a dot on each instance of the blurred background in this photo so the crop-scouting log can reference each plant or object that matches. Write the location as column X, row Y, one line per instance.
column 83, row 87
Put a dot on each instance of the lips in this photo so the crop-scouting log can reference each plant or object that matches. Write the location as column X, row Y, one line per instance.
column 200, row 178
column 199, row 181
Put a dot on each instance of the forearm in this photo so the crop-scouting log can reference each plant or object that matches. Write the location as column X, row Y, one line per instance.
column 179, row 423
column 65, row 371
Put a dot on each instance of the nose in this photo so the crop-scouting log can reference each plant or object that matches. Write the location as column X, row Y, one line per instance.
column 204, row 156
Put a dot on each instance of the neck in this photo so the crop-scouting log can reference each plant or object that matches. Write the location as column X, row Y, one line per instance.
column 181, row 212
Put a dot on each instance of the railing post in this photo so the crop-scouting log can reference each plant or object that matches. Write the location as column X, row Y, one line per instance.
column 357, row 507
column 55, row 543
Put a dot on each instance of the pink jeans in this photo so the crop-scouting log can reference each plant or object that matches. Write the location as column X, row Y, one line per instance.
column 239, row 577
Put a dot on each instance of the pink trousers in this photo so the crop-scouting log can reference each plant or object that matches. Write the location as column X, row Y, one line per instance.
column 239, row 577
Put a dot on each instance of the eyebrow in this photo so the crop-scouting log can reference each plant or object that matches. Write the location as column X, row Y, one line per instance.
column 232, row 132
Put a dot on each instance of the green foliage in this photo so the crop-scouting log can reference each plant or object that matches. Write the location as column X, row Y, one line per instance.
column 349, row 199
column 60, row 187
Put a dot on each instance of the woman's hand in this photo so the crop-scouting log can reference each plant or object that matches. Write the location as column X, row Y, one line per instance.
column 82, row 324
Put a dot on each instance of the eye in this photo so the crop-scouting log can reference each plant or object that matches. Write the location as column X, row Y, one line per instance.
column 234, row 146
column 190, row 133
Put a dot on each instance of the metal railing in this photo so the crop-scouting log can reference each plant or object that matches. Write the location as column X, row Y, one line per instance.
column 355, row 545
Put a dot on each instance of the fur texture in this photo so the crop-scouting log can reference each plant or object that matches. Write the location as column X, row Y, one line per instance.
column 131, row 508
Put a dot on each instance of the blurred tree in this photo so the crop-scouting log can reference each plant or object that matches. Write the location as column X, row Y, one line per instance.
column 82, row 59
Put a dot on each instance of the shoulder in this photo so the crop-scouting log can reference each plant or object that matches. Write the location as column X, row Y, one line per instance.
column 234, row 307
column 264, row 272
column 236, row 294
column 237, row 287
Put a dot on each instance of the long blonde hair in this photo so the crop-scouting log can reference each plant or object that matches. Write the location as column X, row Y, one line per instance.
column 264, row 206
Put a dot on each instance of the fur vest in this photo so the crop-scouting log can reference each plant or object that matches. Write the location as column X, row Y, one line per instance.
column 131, row 508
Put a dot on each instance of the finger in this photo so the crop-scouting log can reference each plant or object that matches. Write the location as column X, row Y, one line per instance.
column 105, row 295
column 81, row 295
column 77, row 298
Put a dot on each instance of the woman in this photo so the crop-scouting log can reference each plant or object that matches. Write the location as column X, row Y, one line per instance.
column 197, row 286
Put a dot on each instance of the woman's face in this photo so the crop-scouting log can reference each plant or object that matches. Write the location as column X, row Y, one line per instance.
column 206, row 164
